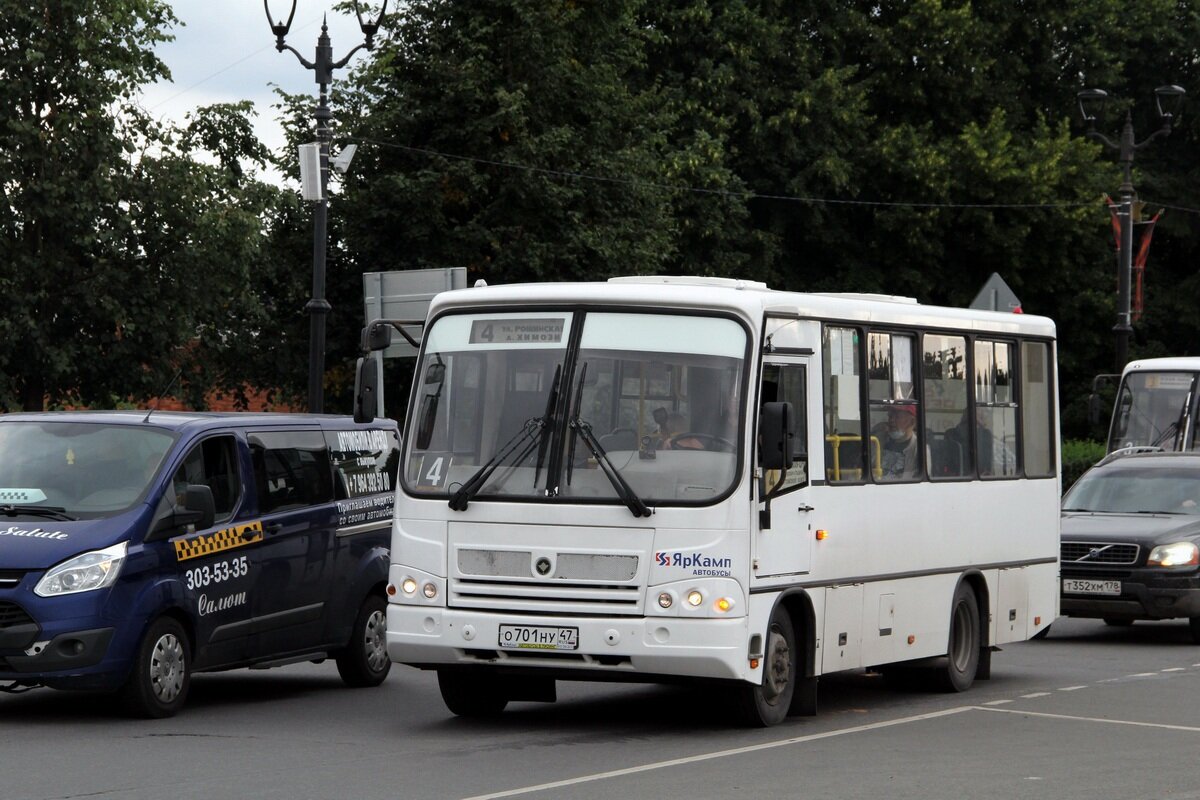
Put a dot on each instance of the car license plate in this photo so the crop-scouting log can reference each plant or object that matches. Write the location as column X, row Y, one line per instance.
column 538, row 637
column 1079, row 586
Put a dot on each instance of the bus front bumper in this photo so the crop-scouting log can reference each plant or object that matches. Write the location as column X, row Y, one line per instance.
column 615, row 648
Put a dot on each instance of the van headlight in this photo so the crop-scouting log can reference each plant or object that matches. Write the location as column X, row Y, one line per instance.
column 83, row 573
column 1176, row 554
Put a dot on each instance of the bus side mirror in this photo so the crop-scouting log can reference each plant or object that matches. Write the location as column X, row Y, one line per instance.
column 376, row 336
column 777, row 435
column 366, row 389
column 1093, row 409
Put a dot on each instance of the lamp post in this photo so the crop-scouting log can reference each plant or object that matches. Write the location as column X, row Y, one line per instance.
column 322, row 67
column 1091, row 105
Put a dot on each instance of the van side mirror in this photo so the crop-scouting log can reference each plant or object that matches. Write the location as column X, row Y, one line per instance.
column 777, row 434
column 366, row 389
column 199, row 509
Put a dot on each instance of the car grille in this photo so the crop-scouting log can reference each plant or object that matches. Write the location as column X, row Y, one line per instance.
column 1099, row 553
column 12, row 614
column 10, row 577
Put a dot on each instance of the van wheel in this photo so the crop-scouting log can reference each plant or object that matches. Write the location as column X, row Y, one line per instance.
column 767, row 704
column 364, row 661
column 158, row 684
column 962, row 655
column 472, row 693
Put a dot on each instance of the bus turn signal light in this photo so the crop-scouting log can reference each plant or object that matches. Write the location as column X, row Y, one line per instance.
column 822, row 535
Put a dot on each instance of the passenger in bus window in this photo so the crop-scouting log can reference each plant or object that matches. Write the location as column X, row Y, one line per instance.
column 898, row 456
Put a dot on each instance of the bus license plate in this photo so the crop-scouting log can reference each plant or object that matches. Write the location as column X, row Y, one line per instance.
column 538, row 637
column 1078, row 586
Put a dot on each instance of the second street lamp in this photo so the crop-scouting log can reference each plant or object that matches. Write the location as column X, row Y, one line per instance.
column 322, row 66
column 1091, row 105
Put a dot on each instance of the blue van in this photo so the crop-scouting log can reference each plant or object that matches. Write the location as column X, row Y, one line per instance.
column 137, row 548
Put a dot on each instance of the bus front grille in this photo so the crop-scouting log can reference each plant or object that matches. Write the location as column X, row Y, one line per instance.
column 545, row 597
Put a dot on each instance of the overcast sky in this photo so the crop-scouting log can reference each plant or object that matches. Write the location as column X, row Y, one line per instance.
column 224, row 51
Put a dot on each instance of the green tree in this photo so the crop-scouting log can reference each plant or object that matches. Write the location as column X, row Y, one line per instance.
column 127, row 253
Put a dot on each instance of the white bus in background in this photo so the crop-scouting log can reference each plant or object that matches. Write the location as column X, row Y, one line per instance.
column 1157, row 405
column 700, row 479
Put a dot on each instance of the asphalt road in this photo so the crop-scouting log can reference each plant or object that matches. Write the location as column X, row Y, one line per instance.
column 1090, row 712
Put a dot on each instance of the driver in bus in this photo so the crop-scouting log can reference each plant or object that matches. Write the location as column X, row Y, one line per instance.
column 673, row 426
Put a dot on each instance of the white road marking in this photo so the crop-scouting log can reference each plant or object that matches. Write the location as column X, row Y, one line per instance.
column 997, row 702
column 1035, row 694
column 1162, row 725
column 1068, row 689
column 1142, row 675
column 675, row 762
column 1174, row 669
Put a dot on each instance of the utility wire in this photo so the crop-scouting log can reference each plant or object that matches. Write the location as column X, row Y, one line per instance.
column 748, row 195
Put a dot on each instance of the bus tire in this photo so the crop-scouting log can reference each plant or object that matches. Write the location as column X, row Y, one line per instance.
column 962, row 653
column 364, row 661
column 766, row 704
column 471, row 693
column 158, row 684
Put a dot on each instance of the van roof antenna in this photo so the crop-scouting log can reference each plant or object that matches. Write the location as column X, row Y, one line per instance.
column 158, row 399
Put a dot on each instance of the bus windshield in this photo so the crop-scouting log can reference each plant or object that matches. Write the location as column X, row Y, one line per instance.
column 88, row 470
column 1152, row 410
column 652, row 407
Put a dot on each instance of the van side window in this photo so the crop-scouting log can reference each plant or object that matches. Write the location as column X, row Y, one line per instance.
column 364, row 462
column 212, row 463
column 291, row 470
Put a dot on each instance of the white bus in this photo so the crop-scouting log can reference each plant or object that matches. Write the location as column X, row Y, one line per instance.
column 1157, row 405
column 701, row 479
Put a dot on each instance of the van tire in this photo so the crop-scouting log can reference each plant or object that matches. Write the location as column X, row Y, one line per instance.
column 765, row 704
column 158, row 684
column 962, row 654
column 364, row 661
column 472, row 693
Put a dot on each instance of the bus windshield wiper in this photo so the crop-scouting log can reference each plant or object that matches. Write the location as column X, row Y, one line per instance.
column 49, row 512
column 531, row 434
column 624, row 490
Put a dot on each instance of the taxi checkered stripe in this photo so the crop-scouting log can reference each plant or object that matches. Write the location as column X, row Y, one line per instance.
column 14, row 495
column 208, row 543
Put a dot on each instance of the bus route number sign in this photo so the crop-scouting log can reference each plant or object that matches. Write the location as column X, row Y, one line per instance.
column 548, row 330
column 538, row 637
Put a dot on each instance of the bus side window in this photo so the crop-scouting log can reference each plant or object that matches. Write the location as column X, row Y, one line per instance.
column 786, row 383
column 948, row 428
column 844, row 445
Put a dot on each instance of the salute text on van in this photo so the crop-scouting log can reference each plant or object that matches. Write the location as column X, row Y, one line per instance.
column 666, row 479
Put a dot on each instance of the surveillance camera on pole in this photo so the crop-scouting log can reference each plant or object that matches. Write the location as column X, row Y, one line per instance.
column 341, row 162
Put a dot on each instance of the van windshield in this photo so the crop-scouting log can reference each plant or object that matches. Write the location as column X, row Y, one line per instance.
column 589, row 406
column 87, row 469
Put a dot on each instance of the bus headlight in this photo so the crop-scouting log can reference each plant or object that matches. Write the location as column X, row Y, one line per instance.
column 83, row 573
column 1176, row 554
column 408, row 586
column 429, row 590
column 666, row 600
column 695, row 598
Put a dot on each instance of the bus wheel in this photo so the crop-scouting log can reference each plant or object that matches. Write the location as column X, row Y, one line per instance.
column 158, row 684
column 767, row 704
column 364, row 661
column 962, row 656
column 472, row 693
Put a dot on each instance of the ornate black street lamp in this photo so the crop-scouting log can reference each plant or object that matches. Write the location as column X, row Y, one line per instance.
column 322, row 66
column 1091, row 105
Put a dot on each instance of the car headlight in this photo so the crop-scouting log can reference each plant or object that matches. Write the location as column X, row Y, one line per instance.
column 83, row 573
column 1176, row 554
